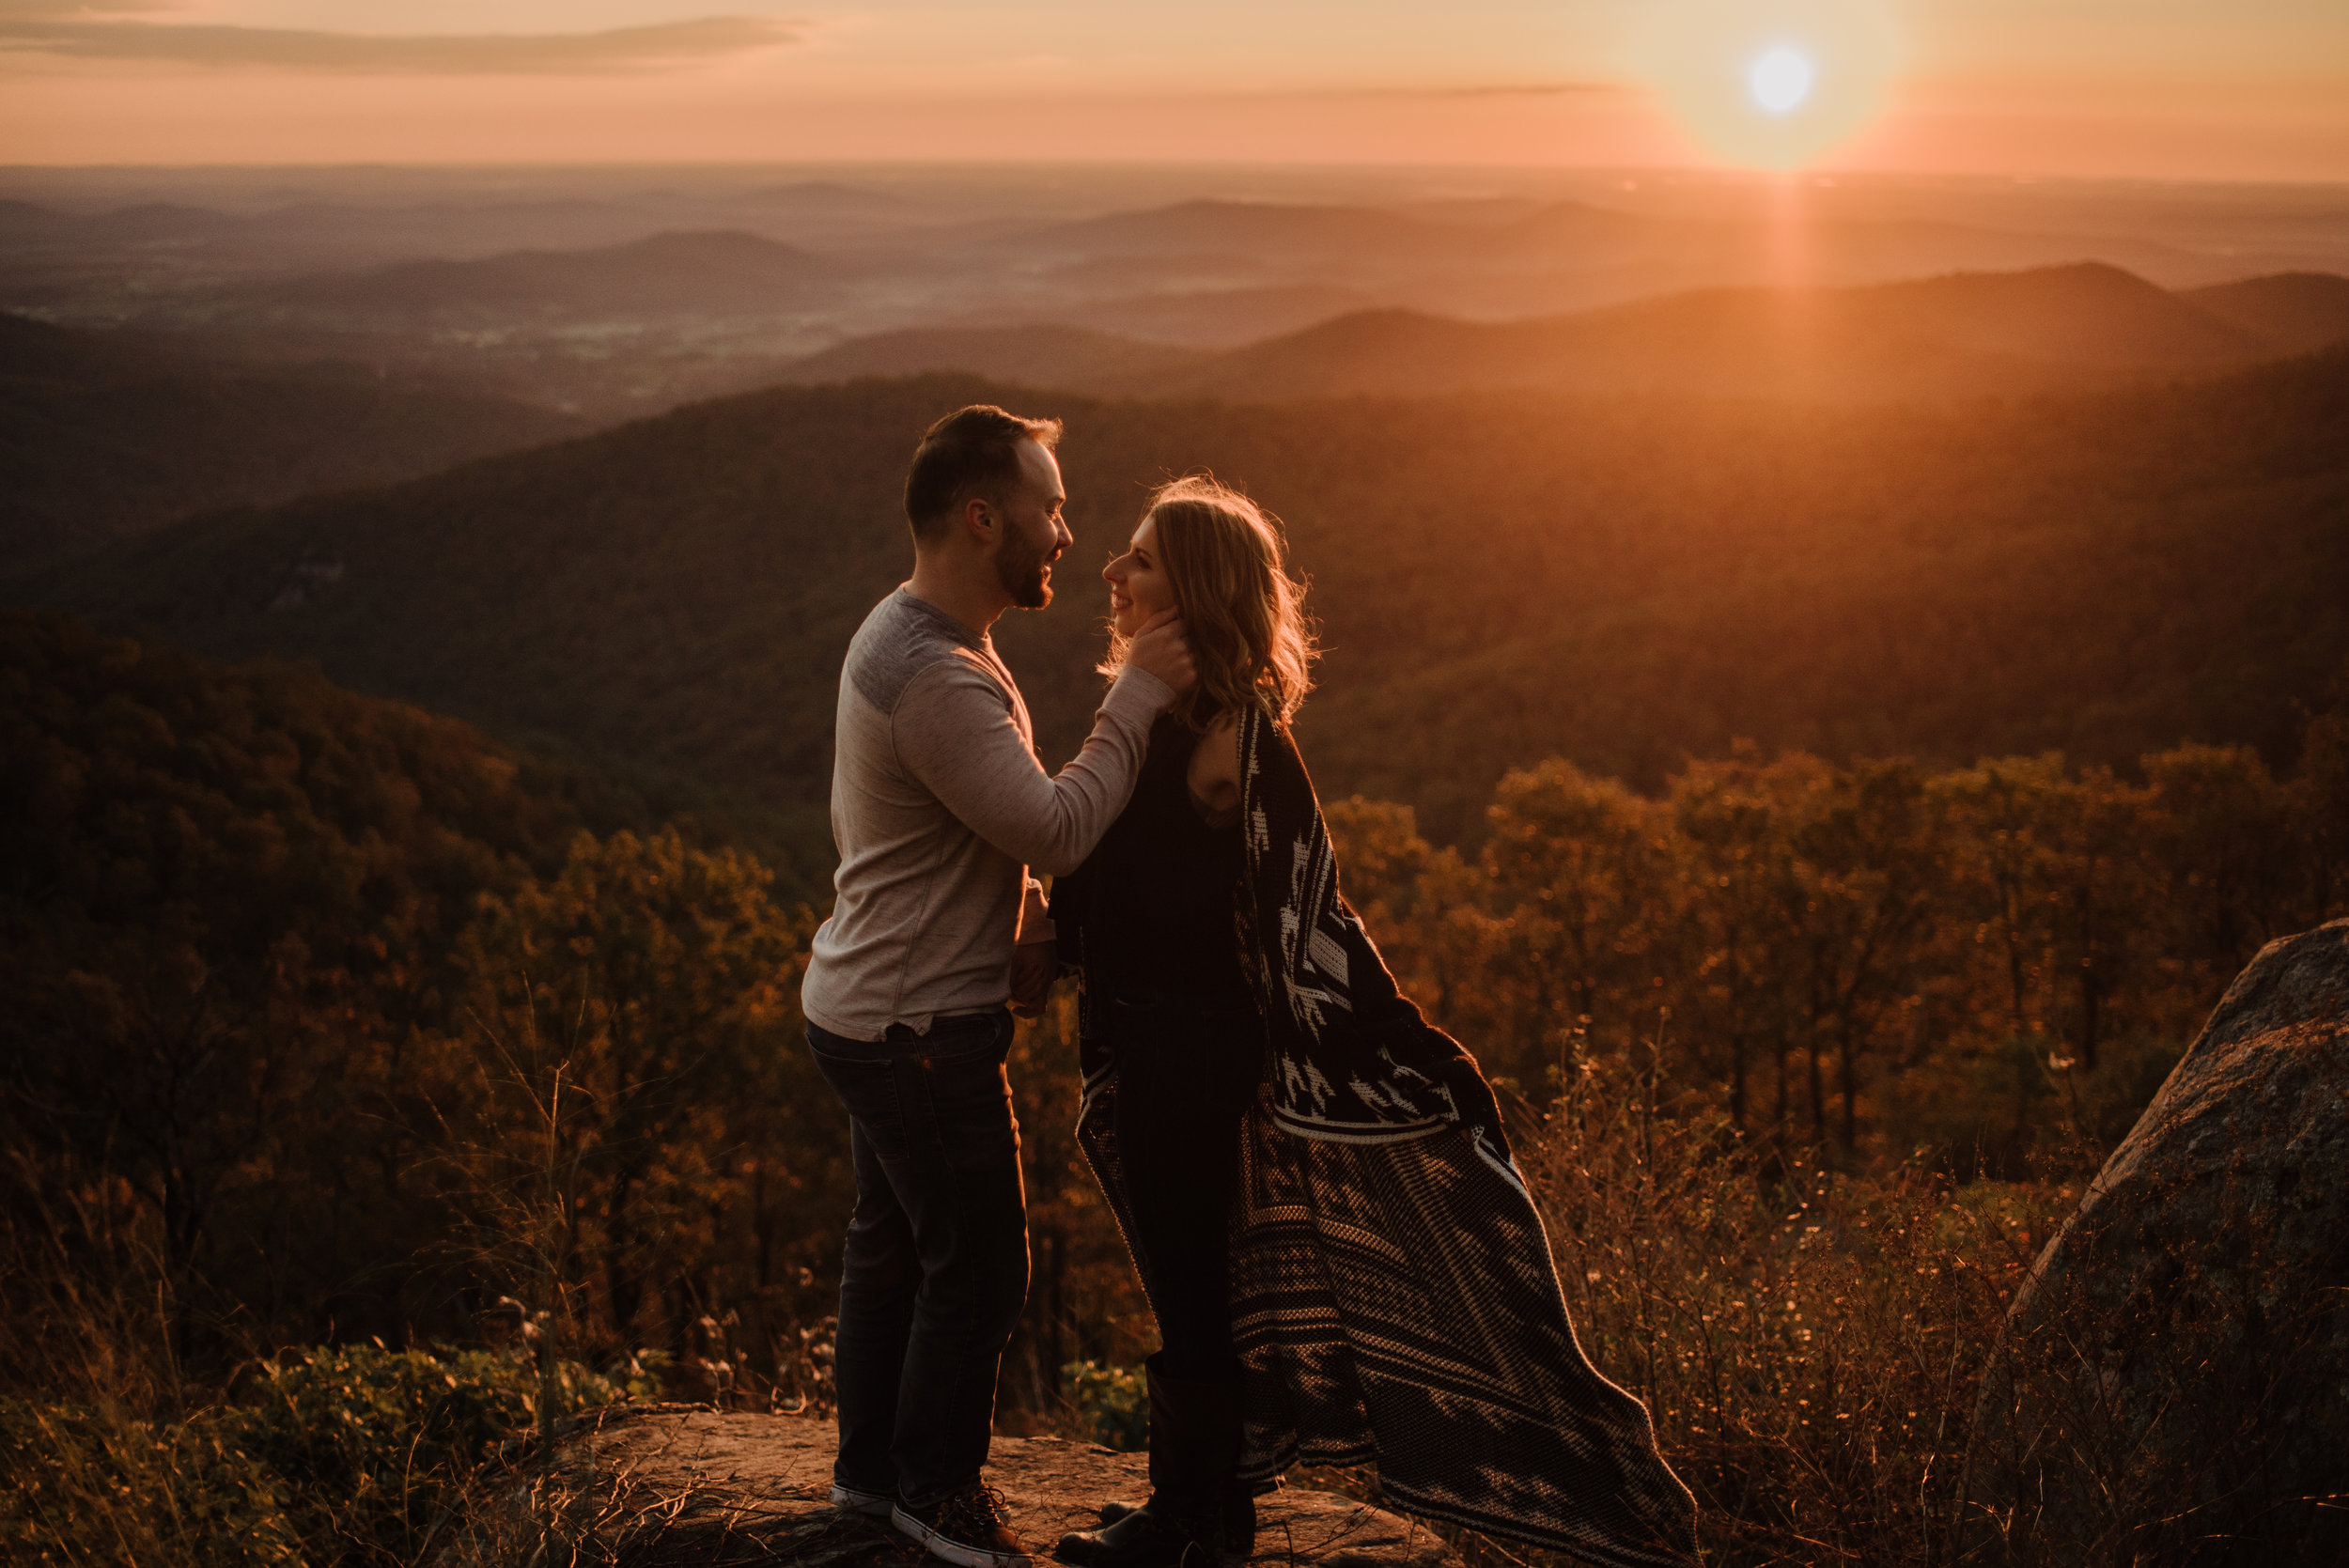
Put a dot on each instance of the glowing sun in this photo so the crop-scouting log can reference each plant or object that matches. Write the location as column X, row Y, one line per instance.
column 1771, row 83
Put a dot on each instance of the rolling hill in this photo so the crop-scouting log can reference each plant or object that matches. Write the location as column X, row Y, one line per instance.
column 1969, row 335
column 718, row 272
column 1040, row 355
column 104, row 434
column 1500, row 575
column 2296, row 312
column 1957, row 336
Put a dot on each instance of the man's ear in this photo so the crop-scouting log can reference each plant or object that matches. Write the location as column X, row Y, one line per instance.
column 977, row 519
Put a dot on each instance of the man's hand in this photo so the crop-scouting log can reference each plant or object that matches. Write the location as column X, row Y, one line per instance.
column 1159, row 649
column 1034, row 967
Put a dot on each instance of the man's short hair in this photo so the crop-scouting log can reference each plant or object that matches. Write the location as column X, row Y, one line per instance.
column 973, row 452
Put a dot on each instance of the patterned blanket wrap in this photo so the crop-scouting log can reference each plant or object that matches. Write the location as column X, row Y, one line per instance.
column 1394, row 1296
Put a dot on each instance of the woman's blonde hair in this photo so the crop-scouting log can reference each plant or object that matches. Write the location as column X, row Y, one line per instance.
column 1243, row 614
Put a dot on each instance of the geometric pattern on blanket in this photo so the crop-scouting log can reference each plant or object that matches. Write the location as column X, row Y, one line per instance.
column 1394, row 1297
column 1395, row 1301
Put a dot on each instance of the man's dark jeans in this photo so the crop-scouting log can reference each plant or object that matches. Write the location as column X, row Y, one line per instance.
column 936, row 1266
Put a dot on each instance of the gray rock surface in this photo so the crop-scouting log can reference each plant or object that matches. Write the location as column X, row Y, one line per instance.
column 2173, row 1382
column 669, row 1487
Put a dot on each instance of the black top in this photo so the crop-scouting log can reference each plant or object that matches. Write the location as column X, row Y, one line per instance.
column 1152, row 911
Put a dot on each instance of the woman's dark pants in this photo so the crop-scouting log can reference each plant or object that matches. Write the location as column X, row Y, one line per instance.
column 935, row 1265
column 1186, row 1076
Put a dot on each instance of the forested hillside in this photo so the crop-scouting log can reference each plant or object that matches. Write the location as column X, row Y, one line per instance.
column 243, row 914
column 330, row 1020
column 103, row 435
column 1500, row 578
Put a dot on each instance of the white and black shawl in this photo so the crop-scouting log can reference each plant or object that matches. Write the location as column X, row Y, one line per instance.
column 1393, row 1297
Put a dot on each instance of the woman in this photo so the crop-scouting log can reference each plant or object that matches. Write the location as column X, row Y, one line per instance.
column 1343, row 1260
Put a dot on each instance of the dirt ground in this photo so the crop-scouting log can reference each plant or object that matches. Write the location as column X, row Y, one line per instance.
column 671, row 1487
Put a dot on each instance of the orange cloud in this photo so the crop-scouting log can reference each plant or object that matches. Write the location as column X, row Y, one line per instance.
column 61, row 32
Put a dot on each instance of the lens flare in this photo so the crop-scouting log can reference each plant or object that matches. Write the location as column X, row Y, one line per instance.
column 1770, row 84
column 1780, row 80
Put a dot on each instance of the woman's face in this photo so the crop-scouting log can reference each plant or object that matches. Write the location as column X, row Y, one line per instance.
column 1139, row 588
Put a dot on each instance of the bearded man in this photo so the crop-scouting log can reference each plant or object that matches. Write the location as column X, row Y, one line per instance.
column 940, row 812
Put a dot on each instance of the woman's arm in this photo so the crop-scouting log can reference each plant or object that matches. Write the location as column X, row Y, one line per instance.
column 1214, row 773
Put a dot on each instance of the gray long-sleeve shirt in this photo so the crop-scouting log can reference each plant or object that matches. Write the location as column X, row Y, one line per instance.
column 939, row 805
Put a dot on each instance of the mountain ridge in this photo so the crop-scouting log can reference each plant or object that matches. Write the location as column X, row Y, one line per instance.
column 104, row 434
column 1963, row 335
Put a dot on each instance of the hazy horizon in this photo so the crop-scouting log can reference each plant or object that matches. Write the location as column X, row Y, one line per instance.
column 2069, row 87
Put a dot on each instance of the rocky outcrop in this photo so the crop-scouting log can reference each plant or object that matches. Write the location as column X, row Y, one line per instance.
column 2174, row 1381
column 670, row 1486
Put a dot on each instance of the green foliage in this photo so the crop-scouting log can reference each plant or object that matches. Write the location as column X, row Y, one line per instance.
column 1986, row 966
column 352, row 1454
column 370, row 1445
column 1112, row 1404
column 625, row 1085
column 287, row 965
column 86, row 1488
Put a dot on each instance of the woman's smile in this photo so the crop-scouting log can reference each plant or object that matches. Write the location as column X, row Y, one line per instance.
column 1139, row 587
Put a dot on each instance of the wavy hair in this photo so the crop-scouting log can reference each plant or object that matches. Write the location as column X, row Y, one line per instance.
column 1243, row 614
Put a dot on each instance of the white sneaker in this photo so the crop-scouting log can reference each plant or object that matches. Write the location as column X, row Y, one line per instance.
column 870, row 1505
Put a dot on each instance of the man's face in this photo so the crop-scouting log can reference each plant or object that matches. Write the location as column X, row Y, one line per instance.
column 1032, row 533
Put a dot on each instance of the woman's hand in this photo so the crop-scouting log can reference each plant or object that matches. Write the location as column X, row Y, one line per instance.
column 1034, row 967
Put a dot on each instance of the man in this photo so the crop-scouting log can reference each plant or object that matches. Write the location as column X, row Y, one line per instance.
column 939, row 809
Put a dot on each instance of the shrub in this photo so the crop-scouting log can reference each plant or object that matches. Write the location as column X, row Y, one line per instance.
column 1112, row 1402
column 1809, row 1340
column 84, row 1488
column 373, row 1445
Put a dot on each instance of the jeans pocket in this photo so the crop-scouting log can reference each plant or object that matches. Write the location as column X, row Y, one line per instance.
column 969, row 1094
column 866, row 1087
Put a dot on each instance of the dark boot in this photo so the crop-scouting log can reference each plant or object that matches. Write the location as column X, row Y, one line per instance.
column 1240, row 1518
column 1194, row 1448
column 1239, row 1521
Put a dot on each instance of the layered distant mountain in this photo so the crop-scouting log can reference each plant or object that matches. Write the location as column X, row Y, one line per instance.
column 2293, row 312
column 620, row 295
column 1970, row 334
column 1042, row 355
column 105, row 434
column 664, row 276
column 1456, row 240
column 1957, row 336
column 1501, row 575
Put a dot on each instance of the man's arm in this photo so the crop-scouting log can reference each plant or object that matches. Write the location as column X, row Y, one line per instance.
column 954, row 732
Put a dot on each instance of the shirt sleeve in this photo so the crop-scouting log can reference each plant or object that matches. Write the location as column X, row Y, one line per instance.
column 954, row 732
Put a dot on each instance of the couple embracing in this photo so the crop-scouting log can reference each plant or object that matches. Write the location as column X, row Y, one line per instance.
column 1343, row 1258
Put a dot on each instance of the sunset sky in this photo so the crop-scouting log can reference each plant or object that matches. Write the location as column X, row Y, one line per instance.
column 2171, row 88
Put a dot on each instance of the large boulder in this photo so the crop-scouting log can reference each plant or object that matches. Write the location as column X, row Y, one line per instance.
column 2172, row 1385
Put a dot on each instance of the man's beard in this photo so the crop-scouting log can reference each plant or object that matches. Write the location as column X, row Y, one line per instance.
column 1019, row 568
